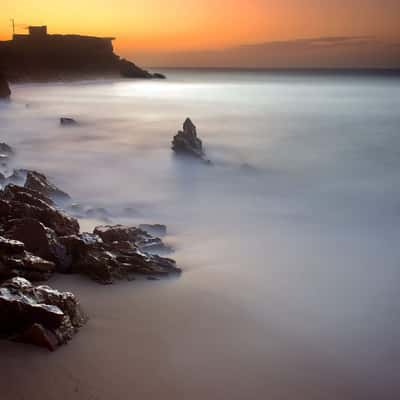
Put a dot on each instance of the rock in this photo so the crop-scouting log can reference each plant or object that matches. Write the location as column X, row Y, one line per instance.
column 5, row 91
column 64, row 121
column 116, row 252
column 157, row 75
column 18, row 202
column 38, row 182
column 187, row 142
column 154, row 229
column 40, row 241
column 6, row 150
column 138, row 237
column 26, row 195
column 16, row 261
column 130, row 70
column 38, row 315
column 39, row 336
column 11, row 247
column 118, row 233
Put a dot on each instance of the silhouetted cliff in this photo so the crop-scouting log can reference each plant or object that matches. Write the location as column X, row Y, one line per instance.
column 39, row 56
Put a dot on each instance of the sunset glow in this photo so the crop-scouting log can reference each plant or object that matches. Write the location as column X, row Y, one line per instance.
column 156, row 25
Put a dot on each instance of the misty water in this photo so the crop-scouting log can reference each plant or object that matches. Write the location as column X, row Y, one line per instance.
column 289, row 242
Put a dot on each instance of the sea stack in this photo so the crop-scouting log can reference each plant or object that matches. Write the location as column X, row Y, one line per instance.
column 5, row 91
column 187, row 142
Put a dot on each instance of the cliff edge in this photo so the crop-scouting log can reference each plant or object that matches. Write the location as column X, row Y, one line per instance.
column 39, row 56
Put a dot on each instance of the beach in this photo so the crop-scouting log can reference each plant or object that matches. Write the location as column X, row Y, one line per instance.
column 287, row 242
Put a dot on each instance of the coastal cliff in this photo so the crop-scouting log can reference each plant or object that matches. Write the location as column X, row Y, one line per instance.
column 39, row 56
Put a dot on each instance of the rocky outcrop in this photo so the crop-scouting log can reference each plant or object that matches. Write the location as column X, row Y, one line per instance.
column 64, row 121
column 38, row 315
column 117, row 252
column 5, row 91
column 157, row 75
column 43, row 56
column 130, row 70
column 186, row 141
column 39, row 183
column 16, row 261
column 6, row 150
column 40, row 241
column 18, row 202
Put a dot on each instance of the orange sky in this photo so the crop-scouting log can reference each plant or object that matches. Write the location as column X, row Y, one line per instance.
column 176, row 25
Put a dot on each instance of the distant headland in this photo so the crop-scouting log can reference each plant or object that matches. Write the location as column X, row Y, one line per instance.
column 39, row 56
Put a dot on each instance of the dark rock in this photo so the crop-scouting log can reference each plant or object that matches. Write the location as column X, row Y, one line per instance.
column 6, row 150
column 130, row 70
column 118, row 233
column 64, row 121
column 157, row 75
column 11, row 247
column 116, row 252
column 138, row 237
column 187, row 142
column 19, row 202
column 38, row 315
column 5, row 91
column 38, row 182
column 39, row 336
column 16, row 261
column 40, row 241
column 26, row 195
column 154, row 229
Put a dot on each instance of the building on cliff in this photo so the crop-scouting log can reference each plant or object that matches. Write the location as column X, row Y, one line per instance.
column 42, row 56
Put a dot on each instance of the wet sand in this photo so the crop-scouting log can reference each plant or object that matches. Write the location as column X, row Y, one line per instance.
column 173, row 340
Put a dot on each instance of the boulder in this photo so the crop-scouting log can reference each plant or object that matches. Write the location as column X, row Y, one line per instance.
column 40, row 241
column 116, row 252
column 130, row 70
column 38, row 315
column 64, row 121
column 138, row 237
column 5, row 91
column 187, row 142
column 16, row 261
column 6, row 150
column 38, row 182
column 19, row 202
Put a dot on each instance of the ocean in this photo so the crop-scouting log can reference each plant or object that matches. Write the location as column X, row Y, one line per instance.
column 289, row 241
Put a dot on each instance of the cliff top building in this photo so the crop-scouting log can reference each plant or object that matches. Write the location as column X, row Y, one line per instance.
column 38, row 34
column 42, row 56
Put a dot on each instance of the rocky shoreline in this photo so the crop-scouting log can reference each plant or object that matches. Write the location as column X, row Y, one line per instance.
column 39, row 239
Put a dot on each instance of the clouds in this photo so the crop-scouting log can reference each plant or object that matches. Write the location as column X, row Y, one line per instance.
column 319, row 52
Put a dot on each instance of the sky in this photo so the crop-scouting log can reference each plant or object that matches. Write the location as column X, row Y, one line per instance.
column 207, row 32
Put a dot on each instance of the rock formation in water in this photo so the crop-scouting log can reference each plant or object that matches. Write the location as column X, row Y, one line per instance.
column 37, row 181
column 5, row 91
column 187, row 142
column 64, row 121
column 38, row 315
column 38, row 239
column 41, row 56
